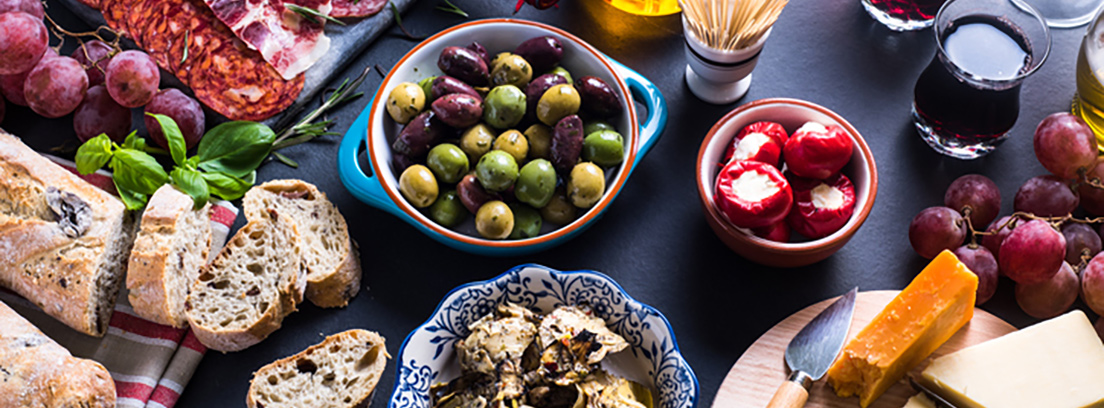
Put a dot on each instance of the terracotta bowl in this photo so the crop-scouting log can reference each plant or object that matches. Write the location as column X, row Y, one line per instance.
column 791, row 114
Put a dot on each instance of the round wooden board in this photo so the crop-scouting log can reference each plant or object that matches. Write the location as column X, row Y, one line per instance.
column 762, row 368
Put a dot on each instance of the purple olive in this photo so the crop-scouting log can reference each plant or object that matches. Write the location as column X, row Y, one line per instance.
column 543, row 53
column 445, row 85
column 458, row 110
column 536, row 88
column 598, row 97
column 567, row 143
column 482, row 52
column 465, row 65
column 417, row 136
column 472, row 194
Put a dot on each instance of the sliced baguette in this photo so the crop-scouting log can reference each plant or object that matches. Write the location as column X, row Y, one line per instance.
column 331, row 258
column 341, row 371
column 171, row 247
column 244, row 294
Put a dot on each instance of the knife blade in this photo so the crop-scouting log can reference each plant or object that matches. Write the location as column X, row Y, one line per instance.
column 935, row 398
column 813, row 350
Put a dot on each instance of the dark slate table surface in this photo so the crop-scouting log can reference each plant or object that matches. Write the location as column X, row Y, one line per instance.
column 654, row 239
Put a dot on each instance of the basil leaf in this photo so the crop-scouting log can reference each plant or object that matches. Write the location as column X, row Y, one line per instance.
column 132, row 201
column 93, row 154
column 173, row 136
column 251, row 178
column 137, row 171
column 226, row 186
column 191, row 182
column 132, row 141
column 235, row 148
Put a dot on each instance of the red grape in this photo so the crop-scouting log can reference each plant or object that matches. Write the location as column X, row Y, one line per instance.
column 32, row 7
column 23, row 39
column 1092, row 198
column 98, row 113
column 1080, row 238
column 94, row 56
column 132, row 78
column 11, row 86
column 1005, row 224
column 1032, row 253
column 983, row 264
column 936, row 229
column 184, row 110
column 1065, row 145
column 1092, row 284
column 1051, row 297
column 1046, row 196
column 977, row 192
column 55, row 87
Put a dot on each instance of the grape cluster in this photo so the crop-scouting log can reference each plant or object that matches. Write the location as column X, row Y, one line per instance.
column 1051, row 256
column 97, row 83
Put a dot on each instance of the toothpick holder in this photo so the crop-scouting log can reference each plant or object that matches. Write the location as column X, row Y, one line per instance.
column 717, row 76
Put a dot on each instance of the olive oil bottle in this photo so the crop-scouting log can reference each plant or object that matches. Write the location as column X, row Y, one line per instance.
column 1089, row 102
column 647, row 7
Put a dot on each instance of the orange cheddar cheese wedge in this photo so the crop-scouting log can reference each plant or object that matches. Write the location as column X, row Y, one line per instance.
column 915, row 323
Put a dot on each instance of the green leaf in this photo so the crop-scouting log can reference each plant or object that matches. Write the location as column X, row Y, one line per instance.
column 132, row 201
column 192, row 183
column 235, row 148
column 93, row 154
column 137, row 171
column 251, row 178
column 312, row 15
column 226, row 186
column 286, row 160
column 177, row 148
column 132, row 141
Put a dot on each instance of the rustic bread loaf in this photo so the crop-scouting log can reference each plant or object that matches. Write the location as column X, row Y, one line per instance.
column 37, row 372
column 244, row 294
column 63, row 242
column 172, row 245
column 341, row 371
column 333, row 264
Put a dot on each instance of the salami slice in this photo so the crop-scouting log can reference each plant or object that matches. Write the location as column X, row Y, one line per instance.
column 356, row 8
column 195, row 31
column 91, row 3
column 289, row 41
column 234, row 81
column 115, row 14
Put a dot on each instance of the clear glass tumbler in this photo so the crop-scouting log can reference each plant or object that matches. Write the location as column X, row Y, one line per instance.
column 903, row 15
column 968, row 98
column 1064, row 13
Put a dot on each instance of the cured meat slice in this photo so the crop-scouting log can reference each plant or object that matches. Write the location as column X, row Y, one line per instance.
column 91, row 3
column 234, row 81
column 286, row 39
column 356, row 8
column 115, row 14
column 195, row 31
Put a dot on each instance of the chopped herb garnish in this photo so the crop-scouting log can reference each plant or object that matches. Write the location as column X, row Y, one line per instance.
column 398, row 21
column 185, row 56
column 312, row 15
column 451, row 8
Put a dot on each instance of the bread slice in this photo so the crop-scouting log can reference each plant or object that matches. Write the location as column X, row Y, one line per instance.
column 37, row 372
column 333, row 264
column 63, row 242
column 341, row 371
column 244, row 294
column 171, row 247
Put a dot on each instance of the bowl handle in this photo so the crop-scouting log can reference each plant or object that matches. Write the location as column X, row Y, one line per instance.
column 644, row 91
column 364, row 187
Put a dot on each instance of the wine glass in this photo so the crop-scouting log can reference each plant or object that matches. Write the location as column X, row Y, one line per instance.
column 1064, row 13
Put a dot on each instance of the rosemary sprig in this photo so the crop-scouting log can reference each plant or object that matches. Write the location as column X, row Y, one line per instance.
column 306, row 130
column 398, row 21
column 311, row 15
column 185, row 56
column 285, row 160
column 451, row 8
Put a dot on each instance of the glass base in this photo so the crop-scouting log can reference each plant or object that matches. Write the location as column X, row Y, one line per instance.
column 894, row 23
column 1063, row 13
column 952, row 146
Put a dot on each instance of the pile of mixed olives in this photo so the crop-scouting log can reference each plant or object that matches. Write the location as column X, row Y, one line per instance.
column 474, row 113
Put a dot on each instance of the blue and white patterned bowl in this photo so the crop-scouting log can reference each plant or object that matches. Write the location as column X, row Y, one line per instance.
column 427, row 355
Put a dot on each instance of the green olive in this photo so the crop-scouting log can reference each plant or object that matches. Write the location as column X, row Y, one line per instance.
column 427, row 85
column 448, row 162
column 504, row 106
column 586, row 185
column 514, row 143
column 418, row 186
column 448, row 210
column 597, row 125
column 405, row 102
column 559, row 210
column 494, row 220
column 558, row 101
column 540, row 141
column 562, row 72
column 536, row 183
column 496, row 170
column 527, row 221
column 605, row 148
column 511, row 69
column 477, row 140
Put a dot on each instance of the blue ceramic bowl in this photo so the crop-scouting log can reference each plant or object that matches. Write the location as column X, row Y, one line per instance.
column 427, row 356
column 374, row 131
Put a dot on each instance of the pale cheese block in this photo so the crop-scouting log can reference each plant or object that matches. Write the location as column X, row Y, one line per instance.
column 1058, row 363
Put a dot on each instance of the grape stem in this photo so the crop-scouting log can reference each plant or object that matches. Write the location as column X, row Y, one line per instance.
column 1055, row 222
column 61, row 33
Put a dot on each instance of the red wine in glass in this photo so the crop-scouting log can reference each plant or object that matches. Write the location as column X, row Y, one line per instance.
column 904, row 15
column 968, row 98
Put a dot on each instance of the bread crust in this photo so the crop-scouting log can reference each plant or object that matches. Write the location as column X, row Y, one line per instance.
column 325, row 288
column 37, row 372
column 376, row 366
column 155, row 251
column 70, row 269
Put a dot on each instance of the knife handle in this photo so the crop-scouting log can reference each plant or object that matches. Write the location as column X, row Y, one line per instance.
column 793, row 392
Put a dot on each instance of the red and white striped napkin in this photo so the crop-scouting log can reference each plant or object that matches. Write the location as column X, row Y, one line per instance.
column 150, row 363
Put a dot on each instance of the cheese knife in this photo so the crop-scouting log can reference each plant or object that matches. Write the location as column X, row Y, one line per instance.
column 813, row 350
